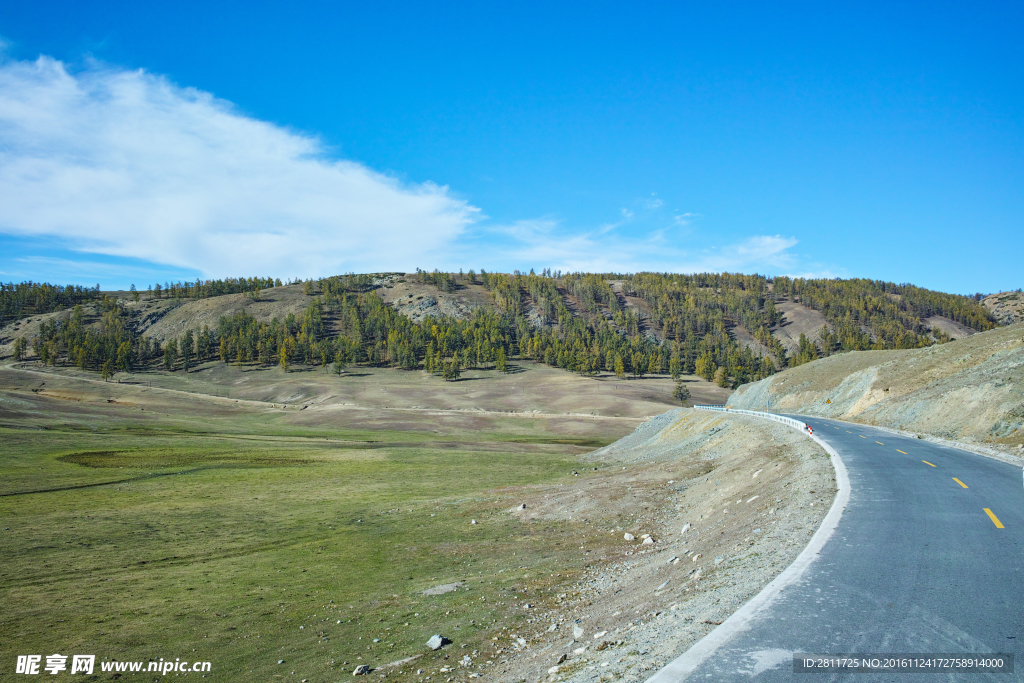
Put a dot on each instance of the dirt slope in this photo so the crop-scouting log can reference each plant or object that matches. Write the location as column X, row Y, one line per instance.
column 950, row 327
column 968, row 390
column 747, row 340
column 752, row 493
column 418, row 301
column 799, row 319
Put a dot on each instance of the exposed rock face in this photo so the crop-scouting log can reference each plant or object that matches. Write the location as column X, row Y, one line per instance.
column 1006, row 307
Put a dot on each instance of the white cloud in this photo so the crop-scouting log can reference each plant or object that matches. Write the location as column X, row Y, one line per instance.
column 685, row 219
column 542, row 243
column 651, row 203
column 128, row 164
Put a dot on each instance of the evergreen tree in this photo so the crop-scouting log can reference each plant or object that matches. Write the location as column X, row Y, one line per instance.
column 185, row 349
column 170, row 355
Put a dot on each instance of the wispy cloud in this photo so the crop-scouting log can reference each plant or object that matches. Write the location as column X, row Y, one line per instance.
column 685, row 219
column 128, row 164
column 651, row 203
column 545, row 243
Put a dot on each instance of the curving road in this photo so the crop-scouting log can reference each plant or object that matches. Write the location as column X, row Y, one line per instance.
column 928, row 557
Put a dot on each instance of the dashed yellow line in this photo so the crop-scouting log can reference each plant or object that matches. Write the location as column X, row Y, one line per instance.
column 924, row 461
column 848, row 431
column 959, row 482
column 903, row 452
column 995, row 520
column 880, row 443
column 862, row 436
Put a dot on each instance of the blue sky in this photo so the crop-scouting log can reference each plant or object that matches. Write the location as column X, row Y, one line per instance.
column 143, row 142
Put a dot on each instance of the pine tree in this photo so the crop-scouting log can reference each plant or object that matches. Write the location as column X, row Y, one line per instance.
column 170, row 355
column 675, row 366
column 706, row 367
column 186, row 349
column 681, row 393
column 124, row 357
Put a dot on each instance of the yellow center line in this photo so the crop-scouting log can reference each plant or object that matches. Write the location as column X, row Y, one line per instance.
column 959, row 482
column 924, row 461
column 848, row 431
column 995, row 520
column 880, row 443
column 903, row 452
column 862, row 436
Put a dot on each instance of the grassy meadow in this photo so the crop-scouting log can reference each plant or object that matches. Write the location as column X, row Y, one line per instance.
column 141, row 523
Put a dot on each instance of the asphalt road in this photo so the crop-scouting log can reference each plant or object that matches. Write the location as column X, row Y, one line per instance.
column 928, row 557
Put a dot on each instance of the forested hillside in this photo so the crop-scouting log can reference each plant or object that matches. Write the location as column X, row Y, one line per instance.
column 637, row 324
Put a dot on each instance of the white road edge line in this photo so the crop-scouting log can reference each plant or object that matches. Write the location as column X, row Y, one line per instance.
column 681, row 667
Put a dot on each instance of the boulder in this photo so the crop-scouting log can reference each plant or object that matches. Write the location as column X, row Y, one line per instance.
column 629, row 537
column 436, row 642
column 361, row 670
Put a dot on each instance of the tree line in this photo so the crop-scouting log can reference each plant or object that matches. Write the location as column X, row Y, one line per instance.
column 204, row 289
column 577, row 322
column 32, row 298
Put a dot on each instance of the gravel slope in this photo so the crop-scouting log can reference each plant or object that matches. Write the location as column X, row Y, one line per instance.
column 752, row 494
column 970, row 390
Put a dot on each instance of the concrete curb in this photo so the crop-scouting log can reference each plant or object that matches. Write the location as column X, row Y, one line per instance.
column 681, row 667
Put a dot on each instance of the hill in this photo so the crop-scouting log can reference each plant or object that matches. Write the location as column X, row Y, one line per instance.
column 968, row 390
column 728, row 328
column 1006, row 307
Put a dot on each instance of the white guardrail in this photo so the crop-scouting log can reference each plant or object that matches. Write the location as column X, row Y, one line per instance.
column 797, row 424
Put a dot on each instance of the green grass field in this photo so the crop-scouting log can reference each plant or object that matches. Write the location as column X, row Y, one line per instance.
column 228, row 534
